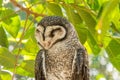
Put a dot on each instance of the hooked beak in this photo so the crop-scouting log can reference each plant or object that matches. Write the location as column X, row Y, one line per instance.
column 46, row 44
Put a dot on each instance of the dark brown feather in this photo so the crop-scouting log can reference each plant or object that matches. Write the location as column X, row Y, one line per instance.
column 81, row 70
column 39, row 73
column 53, row 20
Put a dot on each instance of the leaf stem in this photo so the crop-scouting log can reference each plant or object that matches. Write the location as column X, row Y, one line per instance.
column 26, row 9
column 18, row 43
column 15, row 65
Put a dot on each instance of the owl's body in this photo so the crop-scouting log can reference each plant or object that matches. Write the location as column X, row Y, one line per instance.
column 62, row 57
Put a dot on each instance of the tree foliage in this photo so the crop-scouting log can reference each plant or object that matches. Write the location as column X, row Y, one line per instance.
column 96, row 21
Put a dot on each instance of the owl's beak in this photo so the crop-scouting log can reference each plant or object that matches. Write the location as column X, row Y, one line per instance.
column 46, row 44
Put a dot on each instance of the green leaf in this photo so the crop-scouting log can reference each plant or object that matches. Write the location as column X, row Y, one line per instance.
column 6, row 58
column 28, row 65
column 82, row 33
column 5, row 13
column 88, row 18
column 107, row 15
column 116, row 18
column 29, row 33
column 113, row 50
column 69, row 1
column 93, row 44
column 106, row 41
column 110, row 6
column 77, row 22
column 23, row 72
column 23, row 22
column 5, row 75
column 72, row 15
column 13, row 26
column 94, row 4
column 55, row 8
column 26, row 68
column 33, row 1
column 3, row 38
column 31, row 46
column 1, row 2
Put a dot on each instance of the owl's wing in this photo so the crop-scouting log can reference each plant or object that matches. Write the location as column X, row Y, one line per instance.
column 80, row 68
column 40, row 71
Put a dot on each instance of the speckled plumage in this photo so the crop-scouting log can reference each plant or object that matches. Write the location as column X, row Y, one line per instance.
column 56, row 20
column 65, row 58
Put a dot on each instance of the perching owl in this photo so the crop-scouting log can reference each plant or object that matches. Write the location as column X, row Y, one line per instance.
column 61, row 55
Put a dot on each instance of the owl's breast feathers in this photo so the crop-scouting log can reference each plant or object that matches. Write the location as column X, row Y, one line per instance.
column 62, row 66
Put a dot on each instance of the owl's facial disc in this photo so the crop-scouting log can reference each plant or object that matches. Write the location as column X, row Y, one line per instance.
column 50, row 35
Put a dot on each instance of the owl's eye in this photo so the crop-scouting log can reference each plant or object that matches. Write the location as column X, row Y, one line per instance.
column 52, row 34
column 37, row 30
column 40, row 29
column 38, row 43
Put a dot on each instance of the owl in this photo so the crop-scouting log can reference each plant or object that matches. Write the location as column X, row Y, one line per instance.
column 61, row 55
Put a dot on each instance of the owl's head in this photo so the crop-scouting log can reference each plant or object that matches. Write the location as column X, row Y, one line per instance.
column 51, row 30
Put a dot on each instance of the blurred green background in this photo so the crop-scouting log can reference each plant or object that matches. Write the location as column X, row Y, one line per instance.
column 97, row 23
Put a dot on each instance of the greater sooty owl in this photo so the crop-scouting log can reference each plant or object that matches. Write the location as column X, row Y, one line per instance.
column 61, row 55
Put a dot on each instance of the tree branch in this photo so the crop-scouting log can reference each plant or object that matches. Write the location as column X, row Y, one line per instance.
column 16, row 64
column 26, row 9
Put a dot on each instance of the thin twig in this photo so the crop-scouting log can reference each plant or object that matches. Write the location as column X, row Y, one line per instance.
column 24, row 30
column 26, row 9
column 18, row 43
column 15, row 65
column 30, row 24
